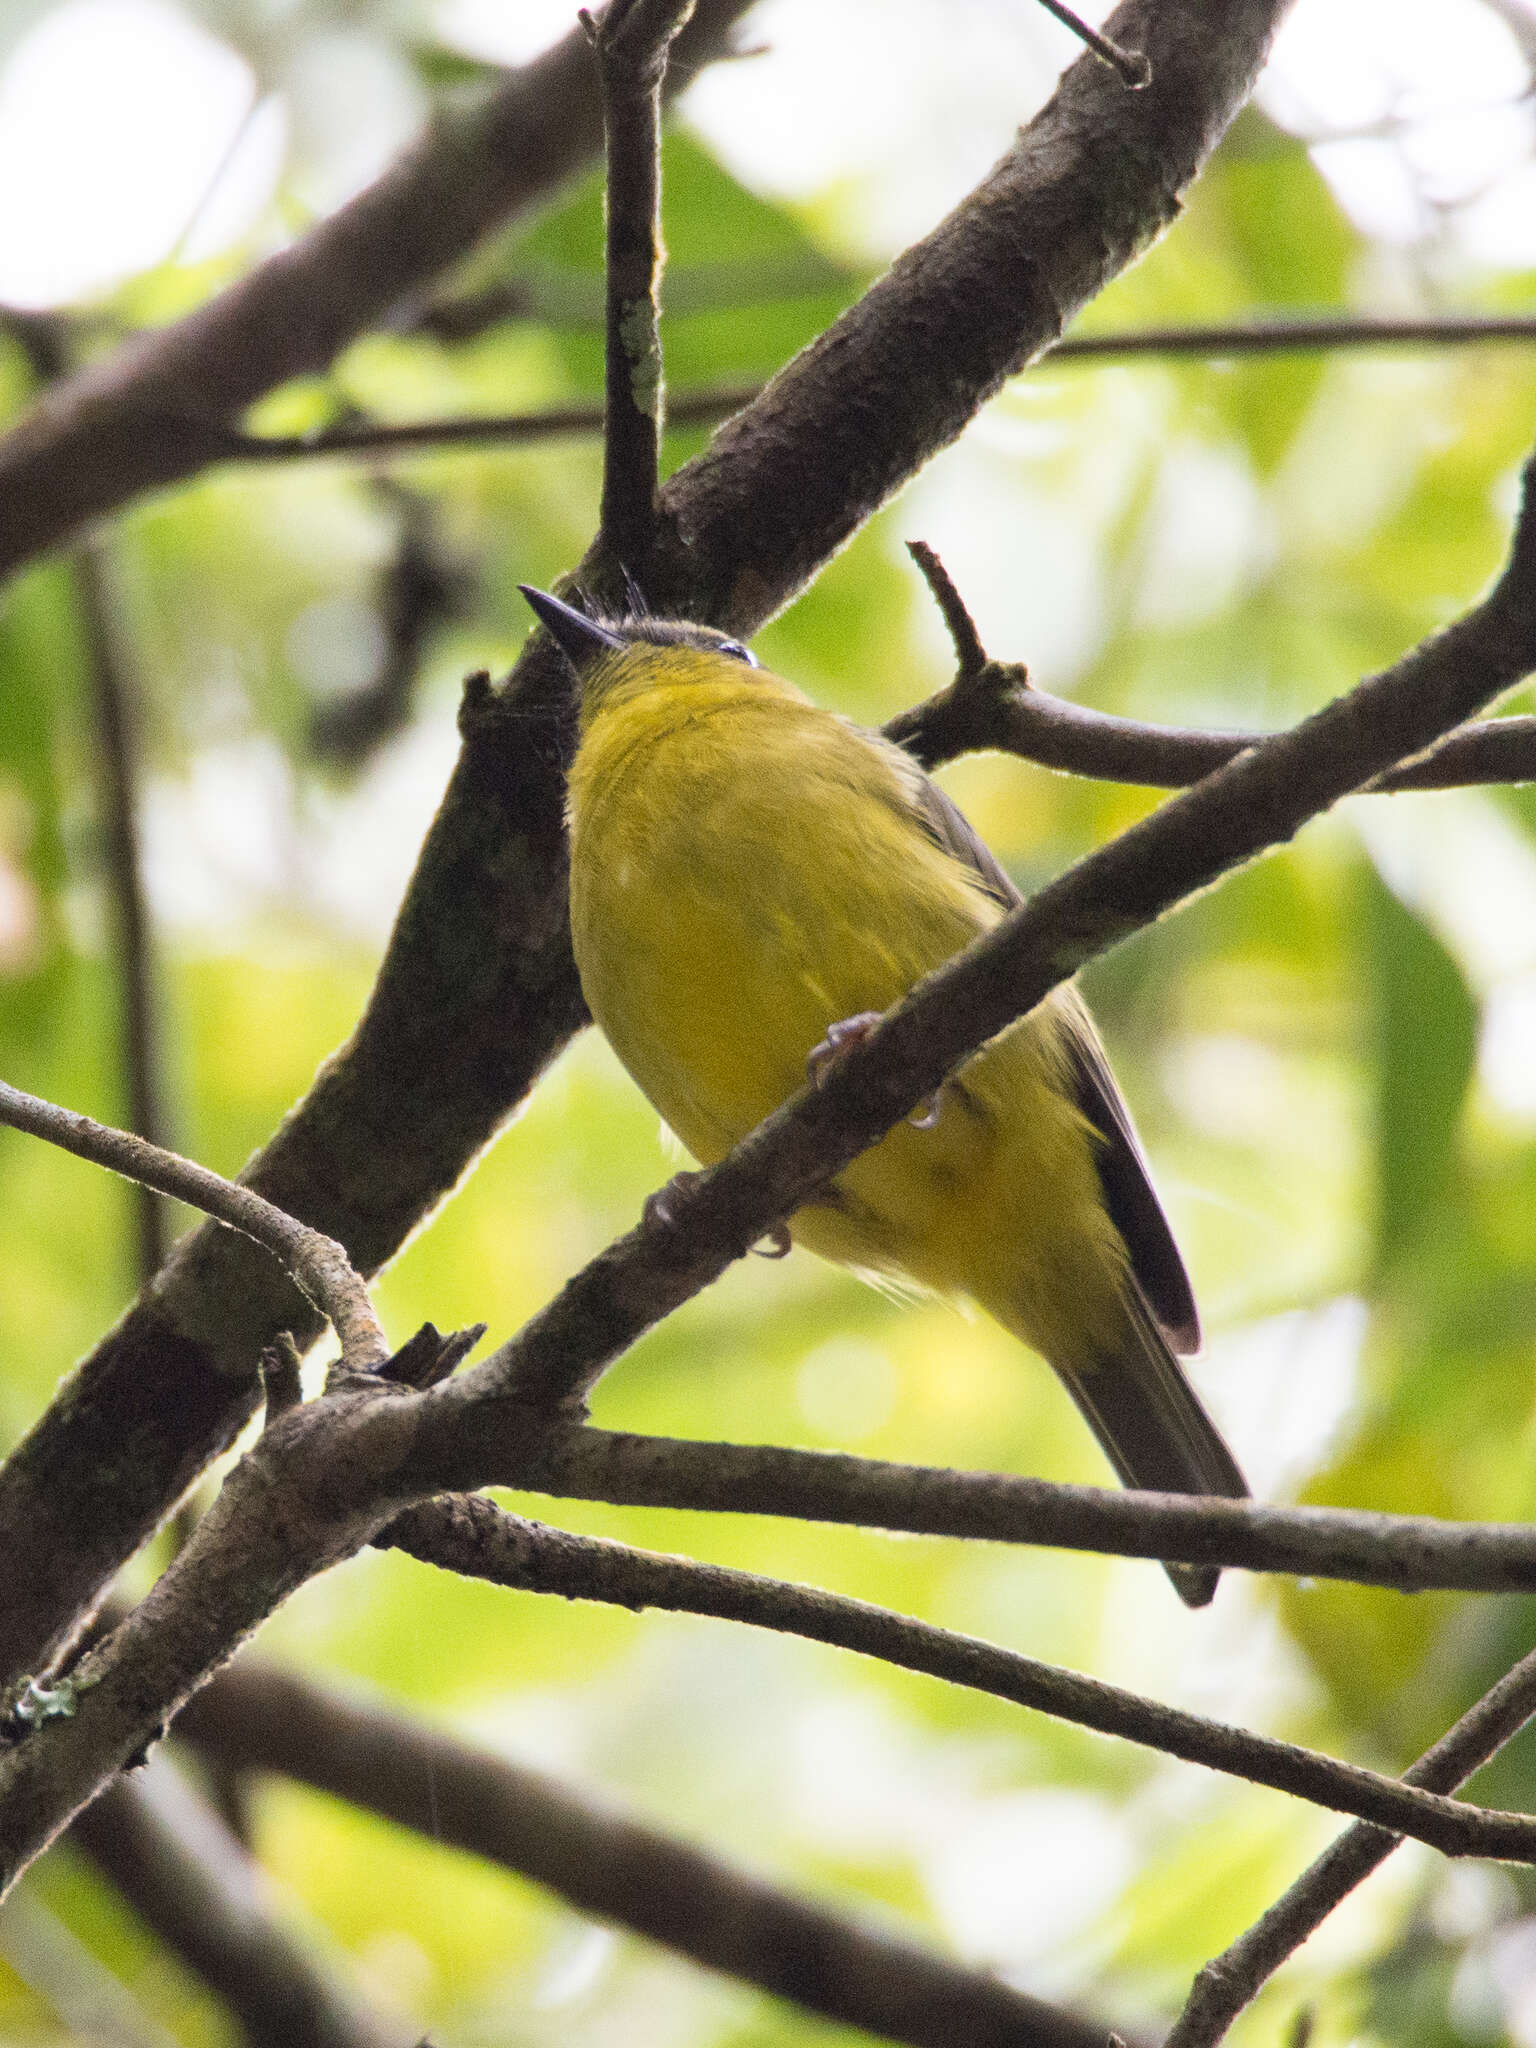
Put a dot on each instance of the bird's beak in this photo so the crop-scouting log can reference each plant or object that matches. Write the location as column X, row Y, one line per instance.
column 578, row 637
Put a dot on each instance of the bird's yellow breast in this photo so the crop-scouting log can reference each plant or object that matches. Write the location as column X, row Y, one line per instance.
column 746, row 871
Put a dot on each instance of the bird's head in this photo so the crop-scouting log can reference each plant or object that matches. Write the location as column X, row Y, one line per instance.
column 606, row 653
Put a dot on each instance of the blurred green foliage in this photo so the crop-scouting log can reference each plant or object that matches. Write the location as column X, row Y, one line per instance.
column 1355, row 1183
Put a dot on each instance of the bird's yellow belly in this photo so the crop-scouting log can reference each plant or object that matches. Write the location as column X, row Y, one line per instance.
column 722, row 930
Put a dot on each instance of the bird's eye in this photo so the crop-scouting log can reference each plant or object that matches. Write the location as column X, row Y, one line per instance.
column 736, row 652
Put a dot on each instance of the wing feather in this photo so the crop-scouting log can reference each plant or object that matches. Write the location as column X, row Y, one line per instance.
column 1124, row 1175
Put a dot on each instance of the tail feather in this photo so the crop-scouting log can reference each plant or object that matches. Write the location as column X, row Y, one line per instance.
column 1149, row 1421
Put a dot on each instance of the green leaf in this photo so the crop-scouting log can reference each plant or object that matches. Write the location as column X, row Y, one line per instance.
column 1423, row 1026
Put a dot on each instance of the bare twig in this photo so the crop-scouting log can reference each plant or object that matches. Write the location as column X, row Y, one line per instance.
column 994, row 704
column 471, row 1535
column 1286, row 336
column 112, row 696
column 315, row 1261
column 1229, row 1981
column 182, row 1871
column 615, row 1868
column 1407, row 1553
column 631, row 42
column 1130, row 66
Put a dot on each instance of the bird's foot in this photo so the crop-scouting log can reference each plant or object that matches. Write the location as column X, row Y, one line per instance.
column 821, row 1059
column 849, row 1031
column 661, row 1207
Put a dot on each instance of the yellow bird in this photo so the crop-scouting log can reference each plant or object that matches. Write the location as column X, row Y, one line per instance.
column 753, row 880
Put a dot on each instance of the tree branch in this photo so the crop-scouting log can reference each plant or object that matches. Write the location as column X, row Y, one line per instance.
column 993, row 704
column 1406, row 1553
column 316, row 1262
column 1235, row 1977
column 614, row 1868
column 377, row 1450
column 111, row 694
column 472, row 1536
column 631, row 42
column 185, row 1875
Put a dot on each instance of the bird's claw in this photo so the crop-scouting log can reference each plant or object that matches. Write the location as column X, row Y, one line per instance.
column 660, row 1207
column 848, row 1031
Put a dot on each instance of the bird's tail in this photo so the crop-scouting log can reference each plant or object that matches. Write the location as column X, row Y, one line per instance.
column 1152, row 1428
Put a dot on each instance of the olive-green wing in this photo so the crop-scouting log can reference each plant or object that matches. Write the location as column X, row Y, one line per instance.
column 1123, row 1171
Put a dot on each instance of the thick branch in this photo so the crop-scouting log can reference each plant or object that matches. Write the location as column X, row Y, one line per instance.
column 480, row 958
column 620, row 1871
column 1236, row 1976
column 471, row 1535
column 182, row 1871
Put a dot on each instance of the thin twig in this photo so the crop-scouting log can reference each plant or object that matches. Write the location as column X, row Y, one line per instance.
column 1128, row 65
column 706, row 408
column 1286, row 336
column 1234, row 1978
column 117, row 747
column 183, row 1873
column 471, row 1535
column 631, row 43
column 316, row 1262
column 614, row 1868
column 229, row 444
column 993, row 704
column 1405, row 1553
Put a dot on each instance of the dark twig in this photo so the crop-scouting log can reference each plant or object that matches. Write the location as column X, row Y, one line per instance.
column 993, row 704
column 471, row 1535
column 708, row 408
column 615, row 1868
column 1406, row 1553
column 631, row 43
column 316, row 1262
column 182, row 1871
column 229, row 444
column 1130, row 66
column 970, row 654
column 1286, row 336
column 1231, row 1980
column 112, row 696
